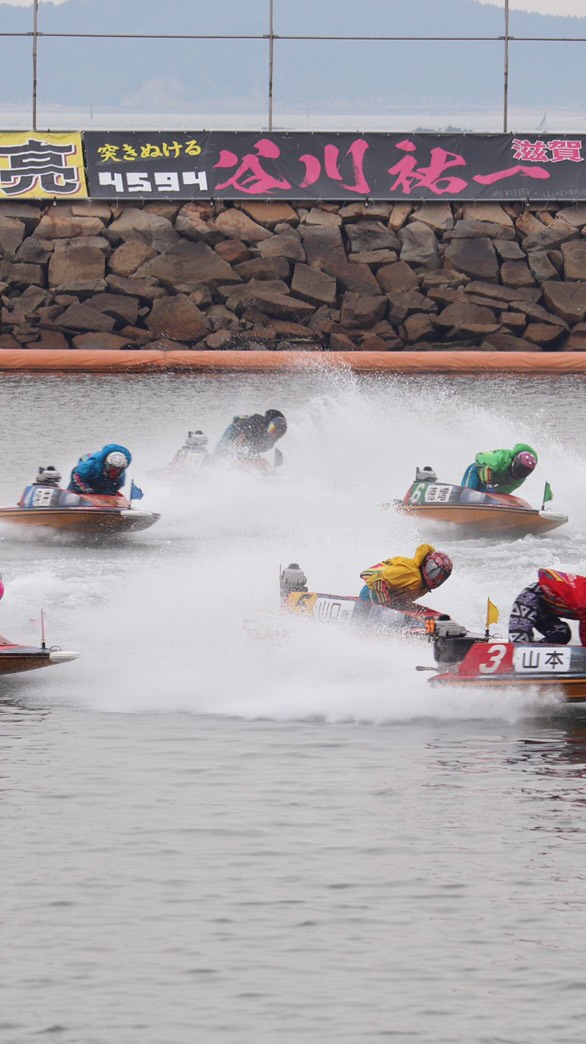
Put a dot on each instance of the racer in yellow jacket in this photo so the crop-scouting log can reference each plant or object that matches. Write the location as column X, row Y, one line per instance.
column 398, row 581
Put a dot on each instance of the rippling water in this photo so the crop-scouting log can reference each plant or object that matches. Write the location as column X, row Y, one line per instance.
column 223, row 825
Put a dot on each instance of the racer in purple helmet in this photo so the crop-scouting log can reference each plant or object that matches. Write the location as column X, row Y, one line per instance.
column 399, row 581
column 500, row 471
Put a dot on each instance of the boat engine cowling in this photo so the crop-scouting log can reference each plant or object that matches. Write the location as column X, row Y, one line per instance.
column 47, row 476
column 425, row 474
column 292, row 579
column 451, row 641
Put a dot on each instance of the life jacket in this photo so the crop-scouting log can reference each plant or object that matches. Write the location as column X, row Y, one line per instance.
column 565, row 593
column 399, row 574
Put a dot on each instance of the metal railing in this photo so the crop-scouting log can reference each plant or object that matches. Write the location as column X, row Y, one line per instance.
column 272, row 38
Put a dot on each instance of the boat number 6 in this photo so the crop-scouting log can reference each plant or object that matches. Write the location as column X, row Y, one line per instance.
column 496, row 654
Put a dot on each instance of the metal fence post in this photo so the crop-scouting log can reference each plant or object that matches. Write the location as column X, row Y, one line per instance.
column 271, row 62
column 35, row 42
column 506, row 71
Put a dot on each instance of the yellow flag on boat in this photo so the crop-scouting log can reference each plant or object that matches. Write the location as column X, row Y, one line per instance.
column 492, row 613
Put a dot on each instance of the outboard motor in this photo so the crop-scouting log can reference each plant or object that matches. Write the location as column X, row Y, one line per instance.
column 196, row 440
column 426, row 474
column 451, row 641
column 291, row 579
column 48, row 476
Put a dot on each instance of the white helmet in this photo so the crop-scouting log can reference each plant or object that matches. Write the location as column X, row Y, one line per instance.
column 115, row 462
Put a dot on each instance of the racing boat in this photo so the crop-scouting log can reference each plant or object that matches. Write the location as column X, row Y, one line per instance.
column 191, row 467
column 474, row 512
column 51, row 507
column 296, row 598
column 15, row 659
column 475, row 661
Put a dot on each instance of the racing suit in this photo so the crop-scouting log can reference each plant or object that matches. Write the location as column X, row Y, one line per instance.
column 546, row 605
column 396, row 582
column 491, row 471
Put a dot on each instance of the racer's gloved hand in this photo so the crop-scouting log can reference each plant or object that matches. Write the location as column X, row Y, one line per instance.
column 485, row 474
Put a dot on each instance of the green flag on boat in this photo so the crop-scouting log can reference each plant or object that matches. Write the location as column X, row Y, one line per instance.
column 547, row 494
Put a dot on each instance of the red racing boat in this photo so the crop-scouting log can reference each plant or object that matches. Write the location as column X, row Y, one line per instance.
column 474, row 661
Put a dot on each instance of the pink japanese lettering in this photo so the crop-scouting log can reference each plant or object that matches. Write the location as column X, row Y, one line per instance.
column 536, row 173
column 251, row 176
column 411, row 177
column 355, row 154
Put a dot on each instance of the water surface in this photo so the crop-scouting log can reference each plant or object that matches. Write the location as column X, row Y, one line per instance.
column 224, row 825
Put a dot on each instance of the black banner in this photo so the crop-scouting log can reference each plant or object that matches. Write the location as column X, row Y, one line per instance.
column 303, row 166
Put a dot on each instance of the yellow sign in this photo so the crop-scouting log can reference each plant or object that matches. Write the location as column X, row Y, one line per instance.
column 34, row 165
column 302, row 602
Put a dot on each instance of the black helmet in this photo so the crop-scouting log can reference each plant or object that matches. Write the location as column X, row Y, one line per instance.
column 276, row 423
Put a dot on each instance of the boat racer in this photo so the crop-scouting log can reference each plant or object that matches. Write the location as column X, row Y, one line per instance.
column 247, row 437
column 101, row 472
column 397, row 582
column 545, row 607
column 500, row 471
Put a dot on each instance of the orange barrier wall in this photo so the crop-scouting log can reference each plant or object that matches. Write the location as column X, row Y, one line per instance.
column 73, row 361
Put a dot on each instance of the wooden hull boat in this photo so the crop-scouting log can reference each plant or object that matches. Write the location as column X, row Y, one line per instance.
column 15, row 659
column 59, row 509
column 350, row 609
column 193, row 467
column 475, row 512
column 473, row 661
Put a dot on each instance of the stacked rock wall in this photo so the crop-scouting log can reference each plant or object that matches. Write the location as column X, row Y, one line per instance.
column 321, row 276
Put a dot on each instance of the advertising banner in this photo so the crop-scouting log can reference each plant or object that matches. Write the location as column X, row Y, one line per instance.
column 35, row 165
column 322, row 166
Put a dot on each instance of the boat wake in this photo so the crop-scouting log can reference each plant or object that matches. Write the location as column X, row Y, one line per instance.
column 186, row 617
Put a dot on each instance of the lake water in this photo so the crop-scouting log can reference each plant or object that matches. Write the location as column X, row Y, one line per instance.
column 220, row 824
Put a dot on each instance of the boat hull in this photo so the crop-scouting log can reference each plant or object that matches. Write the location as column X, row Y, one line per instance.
column 572, row 690
column 520, row 666
column 354, row 610
column 16, row 659
column 488, row 519
column 80, row 519
column 474, row 511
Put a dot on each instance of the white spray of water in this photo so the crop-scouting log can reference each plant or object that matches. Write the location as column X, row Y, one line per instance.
column 186, row 616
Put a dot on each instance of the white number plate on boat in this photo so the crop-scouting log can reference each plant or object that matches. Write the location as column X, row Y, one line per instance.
column 334, row 608
column 547, row 660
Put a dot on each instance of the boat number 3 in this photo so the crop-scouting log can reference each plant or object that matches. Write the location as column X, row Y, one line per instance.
column 496, row 655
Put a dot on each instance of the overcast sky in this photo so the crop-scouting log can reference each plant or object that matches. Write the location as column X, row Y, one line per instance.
column 559, row 7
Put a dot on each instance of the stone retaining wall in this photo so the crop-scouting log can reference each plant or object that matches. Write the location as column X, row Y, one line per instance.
column 320, row 276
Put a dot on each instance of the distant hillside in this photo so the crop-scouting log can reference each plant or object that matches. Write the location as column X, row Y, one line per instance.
column 325, row 76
